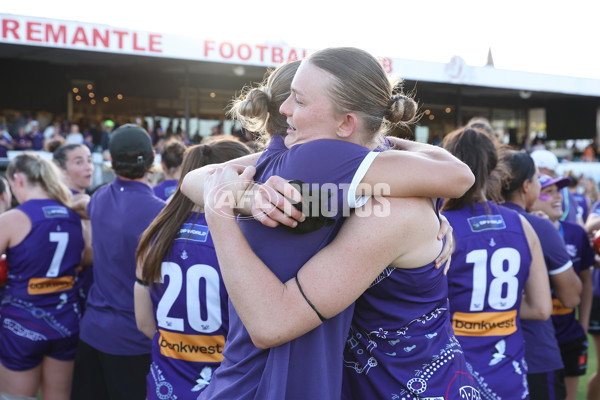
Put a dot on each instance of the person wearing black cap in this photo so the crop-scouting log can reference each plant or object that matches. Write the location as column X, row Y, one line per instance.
column 113, row 356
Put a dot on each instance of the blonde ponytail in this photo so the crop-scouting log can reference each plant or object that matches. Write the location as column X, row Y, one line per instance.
column 40, row 172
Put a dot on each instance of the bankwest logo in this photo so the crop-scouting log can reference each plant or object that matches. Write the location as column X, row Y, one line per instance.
column 558, row 308
column 49, row 285
column 197, row 348
column 485, row 324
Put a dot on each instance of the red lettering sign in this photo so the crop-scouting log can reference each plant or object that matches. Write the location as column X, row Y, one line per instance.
column 32, row 29
column 10, row 25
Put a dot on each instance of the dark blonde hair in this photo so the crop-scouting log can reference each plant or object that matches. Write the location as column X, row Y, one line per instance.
column 157, row 239
column 257, row 108
column 40, row 172
column 362, row 86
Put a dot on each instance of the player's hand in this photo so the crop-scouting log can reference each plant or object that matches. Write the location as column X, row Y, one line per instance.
column 446, row 254
column 273, row 203
column 224, row 188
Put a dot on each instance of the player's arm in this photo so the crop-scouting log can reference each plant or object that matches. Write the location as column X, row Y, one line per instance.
column 592, row 224
column 421, row 170
column 567, row 287
column 275, row 312
column 537, row 299
column 193, row 183
column 19, row 224
column 87, row 256
column 144, row 315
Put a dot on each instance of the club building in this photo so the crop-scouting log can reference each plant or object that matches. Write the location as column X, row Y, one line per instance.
column 90, row 72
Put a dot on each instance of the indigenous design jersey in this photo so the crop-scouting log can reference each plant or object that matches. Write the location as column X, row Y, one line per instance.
column 542, row 353
column 40, row 300
column 490, row 267
column 309, row 367
column 165, row 189
column 401, row 344
column 578, row 246
column 192, row 316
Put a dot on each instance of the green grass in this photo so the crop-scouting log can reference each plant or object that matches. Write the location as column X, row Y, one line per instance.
column 592, row 367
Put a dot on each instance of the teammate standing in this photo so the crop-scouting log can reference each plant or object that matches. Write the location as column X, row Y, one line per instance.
column 180, row 289
column 497, row 277
column 39, row 315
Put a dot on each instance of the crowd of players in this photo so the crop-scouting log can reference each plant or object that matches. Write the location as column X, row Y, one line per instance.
column 137, row 291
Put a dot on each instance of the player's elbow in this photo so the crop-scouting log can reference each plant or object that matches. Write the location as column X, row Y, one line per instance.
column 543, row 310
column 185, row 184
column 571, row 301
column 264, row 339
column 465, row 179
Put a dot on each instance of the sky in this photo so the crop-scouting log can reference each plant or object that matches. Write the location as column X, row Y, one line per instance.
column 543, row 36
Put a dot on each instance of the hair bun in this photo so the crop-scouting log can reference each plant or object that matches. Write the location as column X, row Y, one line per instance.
column 401, row 109
column 255, row 104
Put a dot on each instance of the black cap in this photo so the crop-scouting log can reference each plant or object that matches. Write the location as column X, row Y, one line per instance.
column 130, row 143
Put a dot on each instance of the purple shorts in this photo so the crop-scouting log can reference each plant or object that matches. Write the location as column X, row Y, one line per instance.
column 27, row 336
column 20, row 354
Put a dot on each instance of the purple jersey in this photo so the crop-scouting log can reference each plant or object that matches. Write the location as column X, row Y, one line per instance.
column 119, row 212
column 191, row 310
column 309, row 367
column 40, row 300
column 490, row 266
column 570, row 206
column 165, row 189
column 582, row 205
column 401, row 343
column 542, row 353
column 566, row 325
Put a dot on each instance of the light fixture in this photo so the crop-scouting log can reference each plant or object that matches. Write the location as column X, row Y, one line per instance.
column 75, row 90
column 431, row 117
column 448, row 110
column 90, row 86
column 93, row 101
column 525, row 94
column 239, row 70
column 213, row 95
column 91, row 94
column 120, row 96
column 78, row 98
column 105, row 99
column 427, row 112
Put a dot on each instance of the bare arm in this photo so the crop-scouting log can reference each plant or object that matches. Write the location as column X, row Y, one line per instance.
column 144, row 316
column 87, row 257
column 275, row 312
column 537, row 300
column 567, row 287
column 592, row 224
column 193, row 183
column 424, row 171
column 585, row 307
